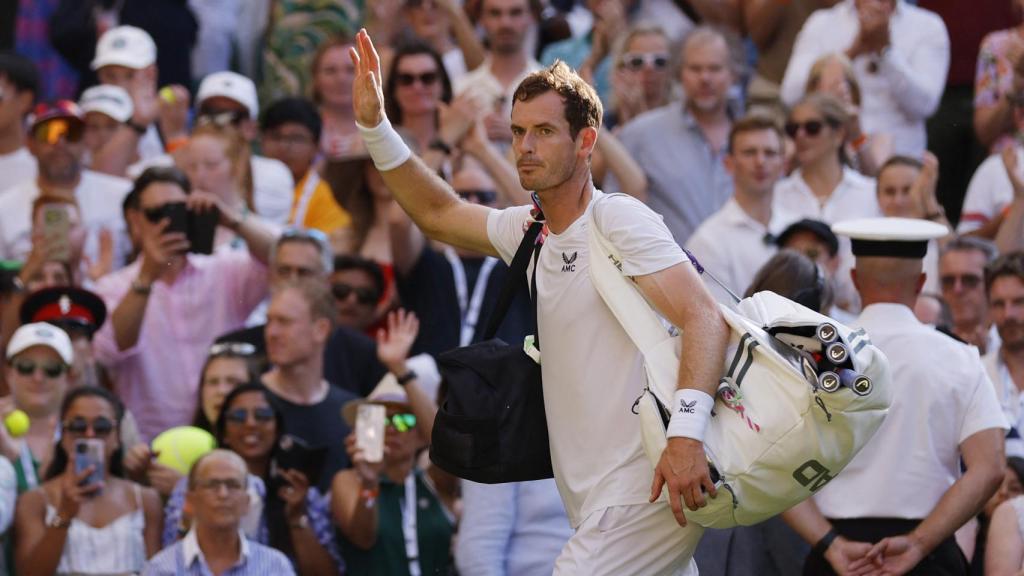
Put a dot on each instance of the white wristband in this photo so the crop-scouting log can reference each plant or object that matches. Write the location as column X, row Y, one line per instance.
column 691, row 410
column 385, row 145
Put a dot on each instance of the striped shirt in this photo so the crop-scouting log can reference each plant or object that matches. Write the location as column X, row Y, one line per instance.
column 186, row 559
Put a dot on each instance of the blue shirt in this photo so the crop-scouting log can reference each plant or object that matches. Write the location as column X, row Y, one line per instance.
column 186, row 559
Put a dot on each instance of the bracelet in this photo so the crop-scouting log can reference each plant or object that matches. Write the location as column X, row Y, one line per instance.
column 406, row 378
column 139, row 129
column 140, row 288
column 385, row 145
column 369, row 496
column 56, row 521
column 691, row 410
column 822, row 545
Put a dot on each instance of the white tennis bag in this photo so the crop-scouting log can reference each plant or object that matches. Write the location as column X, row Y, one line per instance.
column 800, row 395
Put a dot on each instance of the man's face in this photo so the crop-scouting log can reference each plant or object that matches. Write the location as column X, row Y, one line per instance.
column 116, row 75
column 219, row 498
column 294, row 260
column 58, row 146
column 755, row 161
column 506, row 23
column 220, row 105
column 293, row 144
column 1006, row 305
column 99, row 129
column 355, row 298
column 14, row 106
column 38, row 379
column 646, row 61
column 962, row 274
column 152, row 198
column 293, row 335
column 895, row 191
column 706, row 74
column 544, row 149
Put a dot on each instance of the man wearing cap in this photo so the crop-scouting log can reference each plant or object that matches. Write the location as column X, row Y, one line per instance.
column 230, row 97
column 895, row 507
column 19, row 85
column 815, row 239
column 56, row 130
column 106, row 108
column 78, row 312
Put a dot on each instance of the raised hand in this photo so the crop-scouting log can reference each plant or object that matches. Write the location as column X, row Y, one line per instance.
column 367, row 88
column 294, row 493
column 393, row 344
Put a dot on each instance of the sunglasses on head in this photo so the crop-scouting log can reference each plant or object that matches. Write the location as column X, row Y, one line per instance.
column 637, row 61
column 426, row 79
column 221, row 118
column 365, row 296
column 262, row 415
column 402, row 422
column 232, row 349
column 158, row 213
column 480, row 196
column 811, row 128
column 78, row 426
column 51, row 131
column 50, row 369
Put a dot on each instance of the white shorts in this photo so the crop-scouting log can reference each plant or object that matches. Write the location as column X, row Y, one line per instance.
column 636, row 540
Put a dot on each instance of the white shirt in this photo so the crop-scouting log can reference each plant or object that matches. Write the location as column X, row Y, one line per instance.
column 99, row 199
column 941, row 397
column 18, row 166
column 989, row 192
column 733, row 246
column 910, row 75
column 1010, row 399
column 592, row 371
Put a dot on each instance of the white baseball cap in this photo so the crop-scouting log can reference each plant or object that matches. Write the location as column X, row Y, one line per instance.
column 231, row 85
column 41, row 334
column 125, row 46
column 113, row 101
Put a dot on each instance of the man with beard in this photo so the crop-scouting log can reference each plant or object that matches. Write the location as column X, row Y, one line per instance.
column 55, row 139
column 1004, row 285
column 682, row 145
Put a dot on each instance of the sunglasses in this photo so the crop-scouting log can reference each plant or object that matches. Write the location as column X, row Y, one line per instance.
column 221, row 118
column 158, row 213
column 811, row 128
column 365, row 296
column 637, row 61
column 480, row 196
column 232, row 349
column 50, row 369
column 241, row 415
column 101, row 426
column 402, row 422
column 51, row 131
column 968, row 281
column 426, row 79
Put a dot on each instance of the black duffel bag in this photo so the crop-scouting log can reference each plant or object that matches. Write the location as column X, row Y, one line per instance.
column 491, row 426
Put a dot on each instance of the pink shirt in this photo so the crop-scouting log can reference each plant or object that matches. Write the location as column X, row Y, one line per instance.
column 158, row 378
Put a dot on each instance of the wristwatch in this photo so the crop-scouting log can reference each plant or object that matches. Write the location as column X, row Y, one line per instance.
column 438, row 144
column 406, row 378
column 56, row 521
column 140, row 288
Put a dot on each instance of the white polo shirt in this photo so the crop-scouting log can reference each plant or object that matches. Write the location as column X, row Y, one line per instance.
column 1010, row 399
column 592, row 371
column 18, row 166
column 988, row 193
column 733, row 246
column 941, row 396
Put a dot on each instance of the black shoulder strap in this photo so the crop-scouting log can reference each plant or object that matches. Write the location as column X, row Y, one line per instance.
column 527, row 248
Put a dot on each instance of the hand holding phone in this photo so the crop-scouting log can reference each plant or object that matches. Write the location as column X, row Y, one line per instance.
column 55, row 225
column 370, row 431
column 89, row 452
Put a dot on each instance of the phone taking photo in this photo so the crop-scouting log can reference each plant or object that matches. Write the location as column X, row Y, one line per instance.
column 370, row 421
column 55, row 221
column 89, row 452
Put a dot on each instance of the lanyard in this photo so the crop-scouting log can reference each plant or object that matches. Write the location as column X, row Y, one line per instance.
column 412, row 546
column 28, row 468
column 312, row 179
column 469, row 306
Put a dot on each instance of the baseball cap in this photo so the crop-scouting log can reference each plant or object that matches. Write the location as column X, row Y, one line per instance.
column 41, row 334
column 113, row 101
column 230, row 85
column 49, row 110
column 816, row 227
column 125, row 46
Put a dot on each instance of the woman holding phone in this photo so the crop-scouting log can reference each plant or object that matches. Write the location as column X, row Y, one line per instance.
column 85, row 518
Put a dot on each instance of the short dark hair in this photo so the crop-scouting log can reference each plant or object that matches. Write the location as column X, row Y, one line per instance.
column 795, row 276
column 972, row 244
column 583, row 107
column 254, row 386
column 20, row 71
column 292, row 109
column 1007, row 265
column 412, row 48
column 370, row 267
column 153, row 175
column 754, row 123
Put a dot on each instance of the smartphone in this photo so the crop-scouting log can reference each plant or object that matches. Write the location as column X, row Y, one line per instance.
column 293, row 453
column 177, row 212
column 56, row 228
column 370, row 431
column 202, row 227
column 89, row 452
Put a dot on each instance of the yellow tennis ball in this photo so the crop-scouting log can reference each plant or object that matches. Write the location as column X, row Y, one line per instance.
column 167, row 93
column 17, row 423
column 180, row 447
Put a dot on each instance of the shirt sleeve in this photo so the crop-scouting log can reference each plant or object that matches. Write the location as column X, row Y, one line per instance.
column 505, row 229
column 112, row 289
column 8, row 494
column 805, row 52
column 918, row 78
column 983, row 411
column 638, row 234
column 989, row 183
column 488, row 520
column 324, row 213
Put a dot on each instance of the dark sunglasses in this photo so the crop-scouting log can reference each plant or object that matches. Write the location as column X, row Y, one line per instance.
column 968, row 281
column 811, row 128
column 241, row 415
column 158, row 213
column 481, row 196
column 51, row 131
column 402, row 422
column 637, row 61
column 50, row 369
column 427, row 78
column 101, row 426
column 232, row 349
column 364, row 295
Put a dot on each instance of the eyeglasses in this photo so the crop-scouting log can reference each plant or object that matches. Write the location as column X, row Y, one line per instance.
column 426, row 79
column 364, row 295
column 232, row 349
column 811, row 128
column 636, row 61
column 262, row 415
column 158, row 213
column 101, row 426
column 968, row 281
column 214, row 485
column 51, row 131
column 402, row 422
column 221, row 118
column 50, row 369
column 480, row 196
